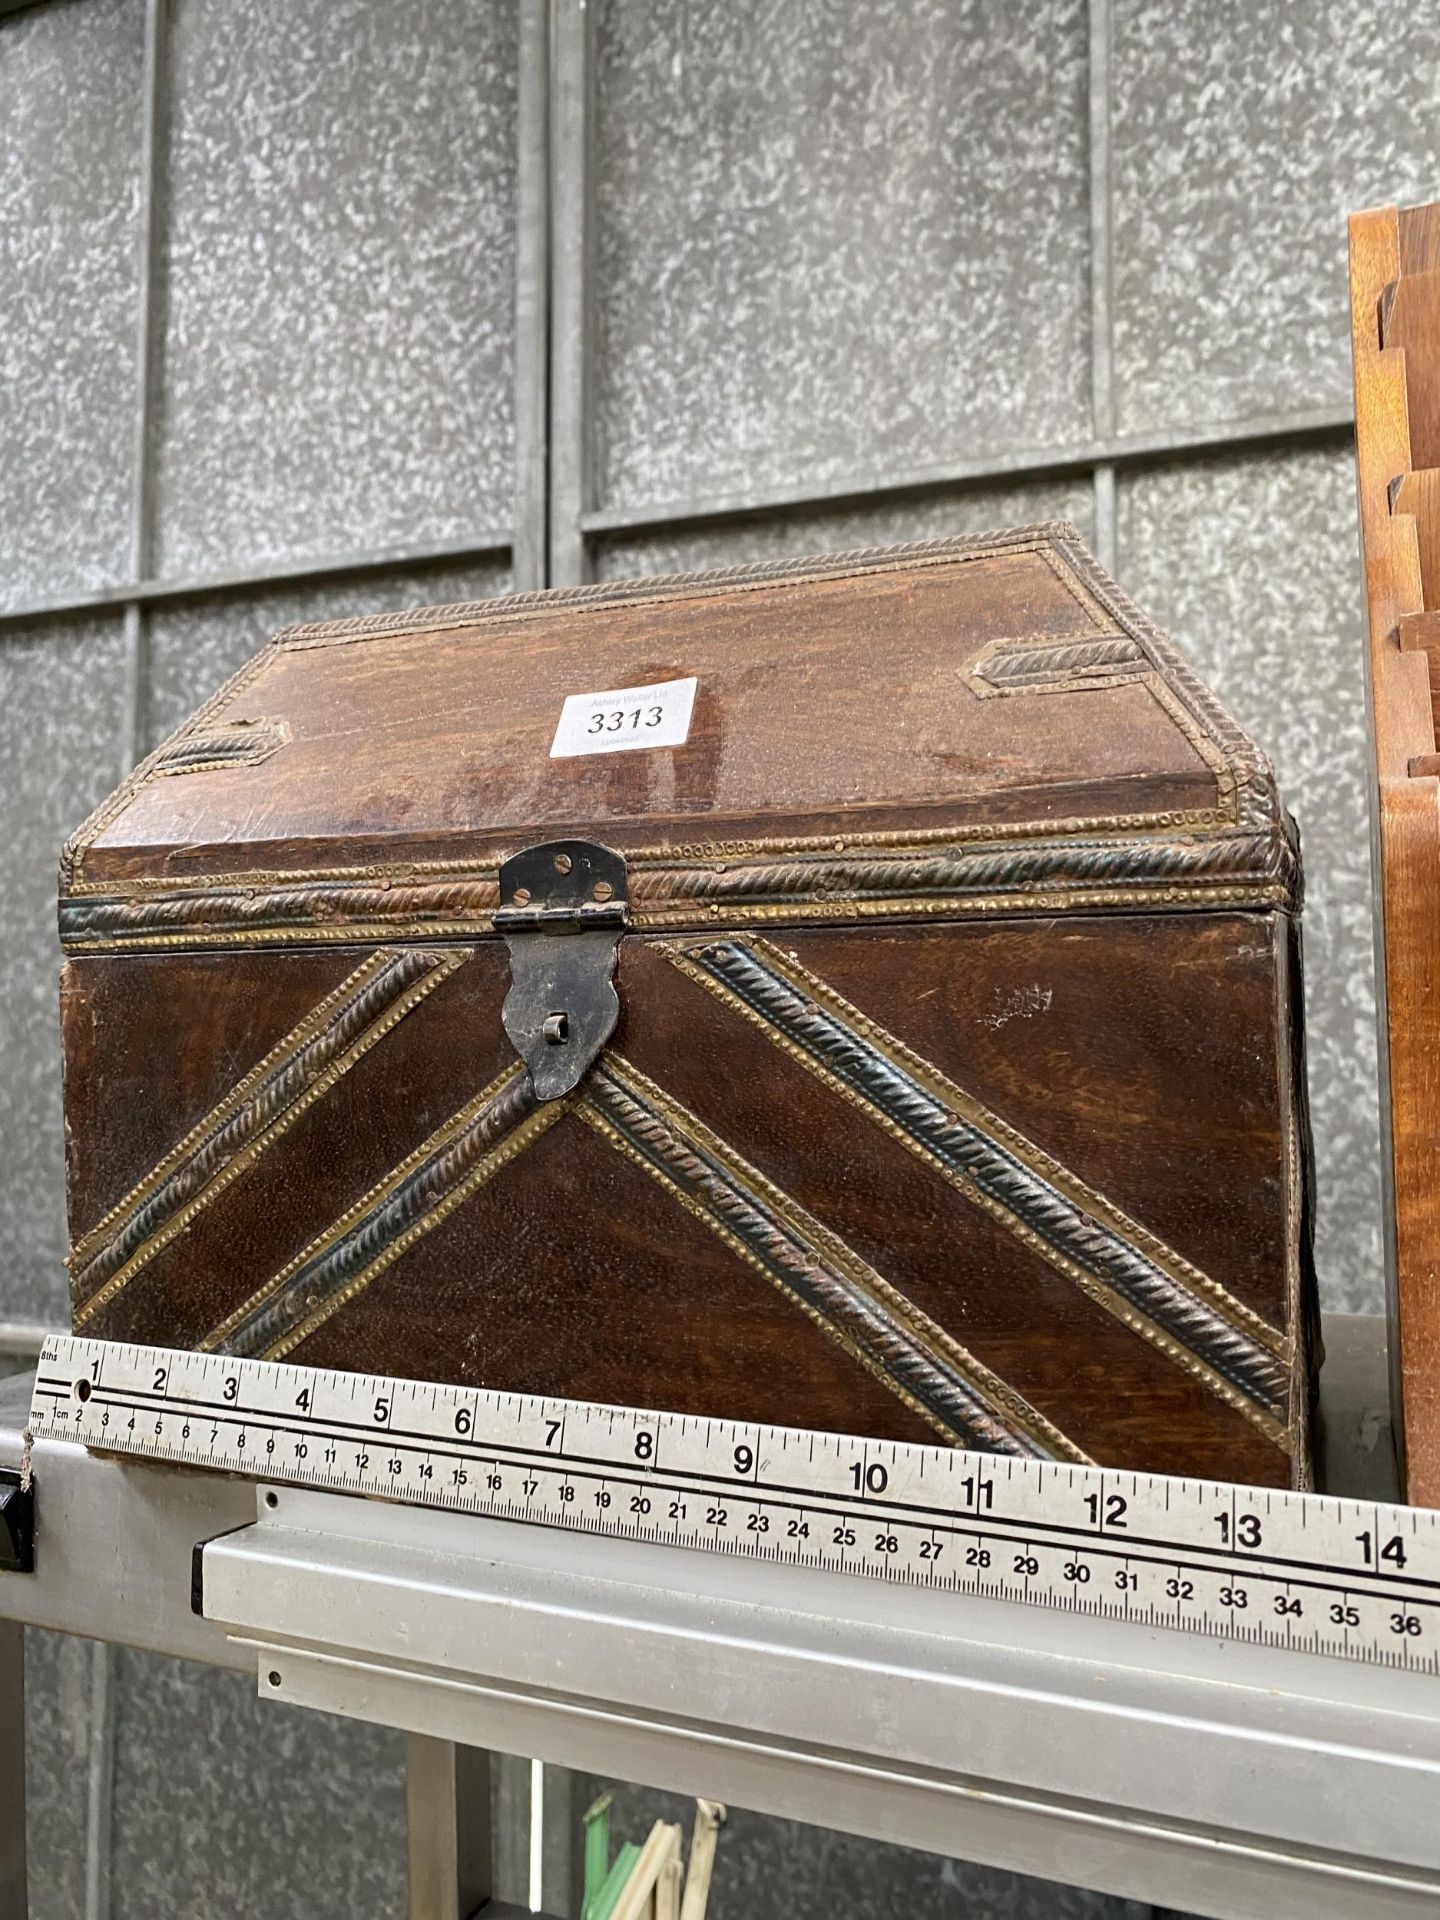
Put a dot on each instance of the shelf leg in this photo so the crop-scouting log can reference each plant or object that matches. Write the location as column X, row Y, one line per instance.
column 14, row 1901
column 447, row 1808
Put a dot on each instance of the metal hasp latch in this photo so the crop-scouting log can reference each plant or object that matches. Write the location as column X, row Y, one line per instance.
column 563, row 907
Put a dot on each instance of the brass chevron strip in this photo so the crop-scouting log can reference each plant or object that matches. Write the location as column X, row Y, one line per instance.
column 922, row 1365
column 1089, row 659
column 262, row 1107
column 411, row 1201
column 1120, row 1265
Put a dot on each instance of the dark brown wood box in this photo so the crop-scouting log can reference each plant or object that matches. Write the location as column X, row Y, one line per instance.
column 956, row 1088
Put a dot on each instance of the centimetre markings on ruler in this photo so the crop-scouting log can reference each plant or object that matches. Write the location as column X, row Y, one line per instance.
column 1334, row 1576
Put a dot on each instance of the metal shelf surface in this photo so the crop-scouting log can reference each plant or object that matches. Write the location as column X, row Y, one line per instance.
column 1216, row 1777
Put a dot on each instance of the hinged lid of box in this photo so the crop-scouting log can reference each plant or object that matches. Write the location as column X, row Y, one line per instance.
column 954, row 727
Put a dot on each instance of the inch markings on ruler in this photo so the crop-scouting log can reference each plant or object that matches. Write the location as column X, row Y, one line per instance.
column 1346, row 1578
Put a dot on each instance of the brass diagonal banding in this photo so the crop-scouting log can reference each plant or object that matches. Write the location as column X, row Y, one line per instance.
column 410, row 1202
column 257, row 1112
column 1123, row 1267
column 923, row 1366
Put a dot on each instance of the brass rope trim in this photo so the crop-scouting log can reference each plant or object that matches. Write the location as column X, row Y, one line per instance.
column 692, row 916
column 752, row 1186
column 1138, row 668
column 1103, row 1295
column 311, row 1023
column 1239, row 766
column 537, row 605
column 499, row 1157
column 72, row 858
column 815, row 847
column 928, row 1333
column 444, row 1136
column 368, row 974
column 745, row 577
column 1084, row 1196
column 622, row 1146
column 241, row 743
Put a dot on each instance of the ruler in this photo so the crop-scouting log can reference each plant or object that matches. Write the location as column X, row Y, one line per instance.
column 1345, row 1578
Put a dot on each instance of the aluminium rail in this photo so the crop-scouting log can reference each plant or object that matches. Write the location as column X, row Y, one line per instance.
column 1218, row 1777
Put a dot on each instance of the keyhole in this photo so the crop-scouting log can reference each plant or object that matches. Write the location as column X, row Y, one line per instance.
column 557, row 1029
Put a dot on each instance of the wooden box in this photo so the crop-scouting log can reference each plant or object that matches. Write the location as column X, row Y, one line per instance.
column 955, row 1084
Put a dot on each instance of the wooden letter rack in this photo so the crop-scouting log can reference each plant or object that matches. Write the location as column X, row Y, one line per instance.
column 1395, row 305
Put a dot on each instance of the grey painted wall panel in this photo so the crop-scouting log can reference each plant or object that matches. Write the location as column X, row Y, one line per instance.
column 196, row 645
column 769, row 1869
column 228, row 1805
column 57, row 1757
column 61, row 708
column 888, row 523
column 1244, row 132
column 69, row 146
column 833, row 239
column 1251, row 565
column 339, row 279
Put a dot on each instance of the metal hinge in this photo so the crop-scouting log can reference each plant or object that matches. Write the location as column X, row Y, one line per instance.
column 563, row 907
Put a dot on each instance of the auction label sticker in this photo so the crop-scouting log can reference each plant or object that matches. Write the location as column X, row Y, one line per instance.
column 656, row 716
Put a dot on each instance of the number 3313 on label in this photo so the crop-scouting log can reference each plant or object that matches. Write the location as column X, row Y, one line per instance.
column 625, row 718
